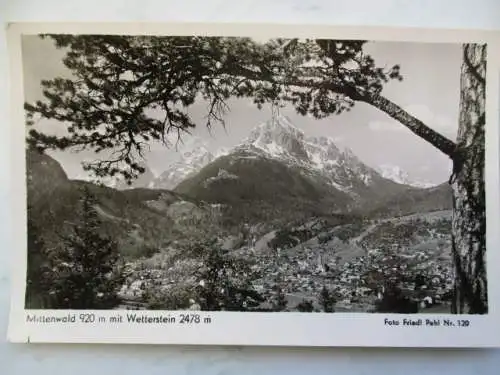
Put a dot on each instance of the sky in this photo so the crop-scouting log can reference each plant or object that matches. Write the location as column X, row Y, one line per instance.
column 430, row 91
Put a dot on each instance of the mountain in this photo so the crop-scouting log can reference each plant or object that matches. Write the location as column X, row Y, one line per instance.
column 140, row 220
column 279, row 168
column 143, row 180
column 268, row 174
column 318, row 157
column 281, row 140
column 296, row 206
column 413, row 200
column 396, row 174
column 43, row 173
column 192, row 160
column 263, row 189
column 275, row 176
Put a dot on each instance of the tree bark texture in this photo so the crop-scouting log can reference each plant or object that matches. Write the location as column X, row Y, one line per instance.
column 467, row 181
column 416, row 126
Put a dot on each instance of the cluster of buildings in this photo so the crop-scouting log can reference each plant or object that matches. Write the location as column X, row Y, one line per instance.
column 422, row 273
column 356, row 276
column 164, row 274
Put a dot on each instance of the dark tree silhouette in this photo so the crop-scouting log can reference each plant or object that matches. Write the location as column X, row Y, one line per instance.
column 420, row 281
column 38, row 273
column 305, row 306
column 394, row 301
column 279, row 301
column 156, row 298
column 118, row 80
column 87, row 273
column 327, row 300
column 224, row 281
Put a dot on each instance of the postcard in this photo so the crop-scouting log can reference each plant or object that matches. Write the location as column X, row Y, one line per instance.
column 254, row 184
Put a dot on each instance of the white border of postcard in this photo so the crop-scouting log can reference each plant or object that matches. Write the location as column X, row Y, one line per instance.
column 267, row 329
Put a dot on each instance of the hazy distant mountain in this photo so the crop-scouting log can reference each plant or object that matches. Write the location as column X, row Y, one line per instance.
column 191, row 161
column 143, row 180
column 117, row 182
column 396, row 174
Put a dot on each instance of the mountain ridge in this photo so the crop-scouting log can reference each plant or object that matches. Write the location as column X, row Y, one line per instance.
column 344, row 180
column 281, row 139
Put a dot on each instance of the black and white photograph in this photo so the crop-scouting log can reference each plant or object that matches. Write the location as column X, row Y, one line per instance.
column 236, row 174
column 249, row 174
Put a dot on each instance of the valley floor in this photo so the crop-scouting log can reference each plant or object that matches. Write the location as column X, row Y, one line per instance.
column 353, row 262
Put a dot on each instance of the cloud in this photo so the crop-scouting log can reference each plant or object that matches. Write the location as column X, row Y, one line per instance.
column 441, row 123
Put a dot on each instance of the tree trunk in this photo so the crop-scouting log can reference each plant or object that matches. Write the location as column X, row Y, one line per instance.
column 413, row 124
column 467, row 181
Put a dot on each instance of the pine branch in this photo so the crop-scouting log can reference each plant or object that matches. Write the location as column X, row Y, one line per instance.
column 378, row 101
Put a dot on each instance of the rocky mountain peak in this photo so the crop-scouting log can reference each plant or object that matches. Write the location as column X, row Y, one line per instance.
column 194, row 156
column 278, row 137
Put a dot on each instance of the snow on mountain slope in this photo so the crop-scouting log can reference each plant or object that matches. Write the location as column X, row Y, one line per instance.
column 112, row 182
column 280, row 139
column 192, row 160
column 396, row 174
column 117, row 182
